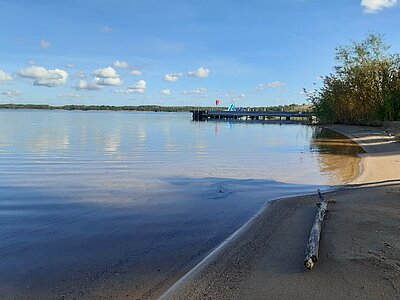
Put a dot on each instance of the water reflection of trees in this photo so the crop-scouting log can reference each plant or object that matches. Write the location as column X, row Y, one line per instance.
column 337, row 155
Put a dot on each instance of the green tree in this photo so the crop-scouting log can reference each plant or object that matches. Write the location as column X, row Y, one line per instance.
column 364, row 87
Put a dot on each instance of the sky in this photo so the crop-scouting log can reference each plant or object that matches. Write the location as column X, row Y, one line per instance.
column 179, row 52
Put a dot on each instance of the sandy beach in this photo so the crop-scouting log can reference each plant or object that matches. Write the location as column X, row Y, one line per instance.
column 360, row 244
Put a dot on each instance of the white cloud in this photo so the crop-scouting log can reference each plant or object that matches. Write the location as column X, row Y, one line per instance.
column 107, row 72
column 106, row 29
column 102, row 77
column 106, row 76
column 44, row 44
column 44, row 77
column 271, row 85
column 69, row 95
column 172, row 77
column 11, row 93
column 121, row 64
column 4, row 76
column 108, row 81
column 195, row 91
column 199, row 73
column 276, row 84
column 135, row 73
column 373, row 6
column 81, row 74
column 70, row 66
column 84, row 85
column 166, row 92
column 138, row 88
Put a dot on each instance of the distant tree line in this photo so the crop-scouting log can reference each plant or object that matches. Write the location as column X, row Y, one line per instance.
column 152, row 108
column 364, row 87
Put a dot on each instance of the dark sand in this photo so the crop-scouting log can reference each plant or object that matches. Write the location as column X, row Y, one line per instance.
column 359, row 250
column 359, row 253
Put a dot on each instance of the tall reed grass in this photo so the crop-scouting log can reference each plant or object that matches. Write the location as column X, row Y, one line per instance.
column 364, row 87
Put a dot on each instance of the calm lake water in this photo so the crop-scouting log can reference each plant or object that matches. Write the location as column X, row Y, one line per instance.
column 115, row 202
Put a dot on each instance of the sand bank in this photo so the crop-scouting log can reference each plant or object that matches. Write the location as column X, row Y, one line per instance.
column 360, row 245
column 382, row 160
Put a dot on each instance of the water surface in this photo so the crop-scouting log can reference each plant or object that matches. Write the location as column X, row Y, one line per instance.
column 115, row 202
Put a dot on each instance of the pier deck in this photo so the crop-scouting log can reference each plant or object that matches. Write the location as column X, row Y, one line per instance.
column 202, row 115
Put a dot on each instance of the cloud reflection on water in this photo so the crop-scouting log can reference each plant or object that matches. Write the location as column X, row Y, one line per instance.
column 150, row 146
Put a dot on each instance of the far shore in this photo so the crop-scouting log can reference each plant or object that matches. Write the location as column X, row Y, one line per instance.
column 359, row 250
column 145, row 108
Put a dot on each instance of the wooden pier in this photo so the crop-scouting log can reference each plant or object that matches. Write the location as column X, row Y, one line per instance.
column 203, row 115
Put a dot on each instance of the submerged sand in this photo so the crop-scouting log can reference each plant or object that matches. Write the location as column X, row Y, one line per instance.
column 360, row 243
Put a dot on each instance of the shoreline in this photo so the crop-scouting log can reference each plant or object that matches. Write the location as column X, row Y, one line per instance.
column 218, row 275
column 202, row 265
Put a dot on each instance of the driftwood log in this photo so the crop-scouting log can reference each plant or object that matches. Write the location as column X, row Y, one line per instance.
column 315, row 234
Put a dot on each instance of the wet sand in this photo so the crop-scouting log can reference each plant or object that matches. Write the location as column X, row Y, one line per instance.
column 359, row 250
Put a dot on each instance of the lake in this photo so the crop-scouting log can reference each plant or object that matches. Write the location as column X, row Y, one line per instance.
column 122, row 203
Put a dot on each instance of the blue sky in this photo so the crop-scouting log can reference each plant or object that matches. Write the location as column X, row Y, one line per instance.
column 178, row 52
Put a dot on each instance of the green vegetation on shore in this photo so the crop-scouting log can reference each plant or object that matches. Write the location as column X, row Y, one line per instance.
column 153, row 108
column 364, row 88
